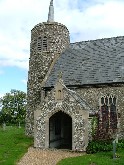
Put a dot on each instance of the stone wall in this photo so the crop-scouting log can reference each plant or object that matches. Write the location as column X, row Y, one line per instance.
column 92, row 96
column 41, row 61
column 68, row 105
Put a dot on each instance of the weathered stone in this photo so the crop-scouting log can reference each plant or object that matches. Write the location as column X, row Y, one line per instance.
column 41, row 61
column 79, row 120
column 81, row 100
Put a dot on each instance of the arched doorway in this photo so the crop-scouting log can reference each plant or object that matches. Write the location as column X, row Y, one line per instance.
column 60, row 131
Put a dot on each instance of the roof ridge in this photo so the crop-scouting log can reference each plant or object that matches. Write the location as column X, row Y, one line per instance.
column 97, row 39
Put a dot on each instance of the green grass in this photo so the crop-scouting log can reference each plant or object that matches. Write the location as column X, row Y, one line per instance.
column 13, row 145
column 101, row 158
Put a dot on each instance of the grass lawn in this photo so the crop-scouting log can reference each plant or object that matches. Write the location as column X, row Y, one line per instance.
column 101, row 158
column 13, row 145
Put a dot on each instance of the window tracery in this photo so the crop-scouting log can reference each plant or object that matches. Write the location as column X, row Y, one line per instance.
column 108, row 112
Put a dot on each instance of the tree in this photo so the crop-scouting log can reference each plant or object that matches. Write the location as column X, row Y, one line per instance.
column 13, row 107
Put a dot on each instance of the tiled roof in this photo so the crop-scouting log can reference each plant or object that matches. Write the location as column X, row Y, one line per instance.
column 90, row 62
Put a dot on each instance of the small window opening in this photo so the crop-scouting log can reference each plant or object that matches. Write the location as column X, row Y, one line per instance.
column 102, row 100
column 42, row 44
column 39, row 44
column 59, row 94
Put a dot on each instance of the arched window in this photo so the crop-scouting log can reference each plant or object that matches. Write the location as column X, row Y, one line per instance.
column 39, row 44
column 59, row 94
column 105, row 112
column 108, row 112
column 113, row 114
column 42, row 44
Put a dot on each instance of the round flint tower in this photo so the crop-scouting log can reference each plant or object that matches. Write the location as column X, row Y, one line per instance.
column 48, row 40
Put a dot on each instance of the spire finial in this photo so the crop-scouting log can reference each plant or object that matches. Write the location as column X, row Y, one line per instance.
column 51, row 12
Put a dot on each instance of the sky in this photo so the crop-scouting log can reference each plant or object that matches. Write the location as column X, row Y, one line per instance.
column 85, row 19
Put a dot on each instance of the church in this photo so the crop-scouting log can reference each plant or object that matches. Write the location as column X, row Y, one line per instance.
column 70, row 84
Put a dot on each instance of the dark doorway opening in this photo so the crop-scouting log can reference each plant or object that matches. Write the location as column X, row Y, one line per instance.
column 60, row 131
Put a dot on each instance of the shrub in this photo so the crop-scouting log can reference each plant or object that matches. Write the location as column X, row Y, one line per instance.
column 120, row 144
column 100, row 145
column 94, row 126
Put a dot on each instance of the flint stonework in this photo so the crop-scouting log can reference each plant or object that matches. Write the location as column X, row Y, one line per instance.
column 69, row 79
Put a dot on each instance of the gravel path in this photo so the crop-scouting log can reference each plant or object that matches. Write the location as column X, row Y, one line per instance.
column 45, row 157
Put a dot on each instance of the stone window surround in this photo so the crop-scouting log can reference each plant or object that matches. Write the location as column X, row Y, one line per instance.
column 108, row 105
column 106, row 96
column 42, row 43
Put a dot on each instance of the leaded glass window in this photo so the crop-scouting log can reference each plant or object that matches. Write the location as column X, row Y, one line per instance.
column 109, row 112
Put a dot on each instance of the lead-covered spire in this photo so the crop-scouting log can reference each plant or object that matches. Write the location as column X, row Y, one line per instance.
column 51, row 12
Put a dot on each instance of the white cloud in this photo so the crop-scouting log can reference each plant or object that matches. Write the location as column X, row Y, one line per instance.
column 85, row 20
column 24, row 81
column 17, row 19
column 98, row 20
column 18, row 63
column 1, row 95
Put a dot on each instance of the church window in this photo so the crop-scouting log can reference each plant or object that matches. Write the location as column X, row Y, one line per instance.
column 102, row 100
column 42, row 44
column 109, row 112
column 59, row 94
column 39, row 44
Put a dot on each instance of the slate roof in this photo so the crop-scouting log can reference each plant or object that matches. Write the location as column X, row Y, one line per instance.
column 90, row 62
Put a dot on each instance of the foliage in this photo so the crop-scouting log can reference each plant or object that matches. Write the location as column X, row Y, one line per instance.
column 100, row 158
column 99, row 132
column 103, row 145
column 94, row 125
column 120, row 144
column 13, row 145
column 13, row 107
column 98, row 146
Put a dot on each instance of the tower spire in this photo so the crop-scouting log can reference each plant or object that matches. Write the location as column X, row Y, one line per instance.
column 51, row 12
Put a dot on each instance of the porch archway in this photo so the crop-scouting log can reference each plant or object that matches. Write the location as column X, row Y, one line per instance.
column 60, row 131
